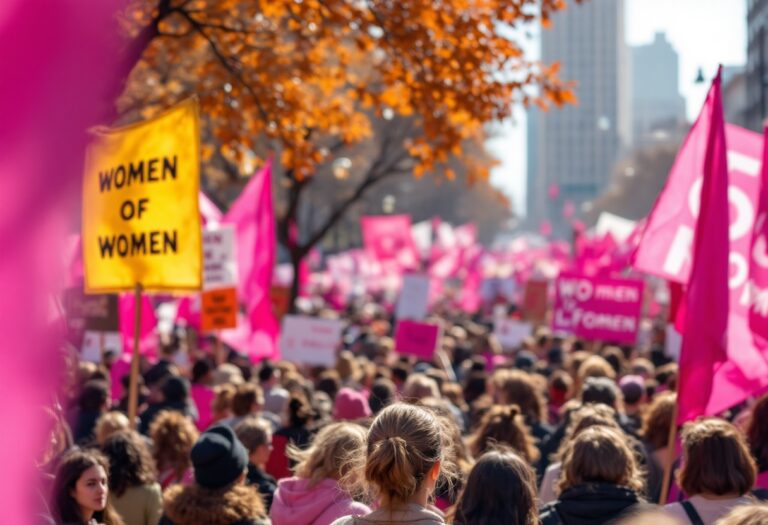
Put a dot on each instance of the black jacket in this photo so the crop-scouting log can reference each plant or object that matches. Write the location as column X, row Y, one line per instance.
column 265, row 483
column 589, row 504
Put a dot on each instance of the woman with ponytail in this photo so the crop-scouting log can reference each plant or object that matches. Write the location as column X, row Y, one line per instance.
column 404, row 460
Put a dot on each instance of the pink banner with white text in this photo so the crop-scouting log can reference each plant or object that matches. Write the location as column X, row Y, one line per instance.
column 596, row 308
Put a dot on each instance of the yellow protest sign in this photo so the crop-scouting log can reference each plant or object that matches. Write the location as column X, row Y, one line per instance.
column 141, row 222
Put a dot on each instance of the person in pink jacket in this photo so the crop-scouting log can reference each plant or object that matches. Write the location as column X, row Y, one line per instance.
column 314, row 495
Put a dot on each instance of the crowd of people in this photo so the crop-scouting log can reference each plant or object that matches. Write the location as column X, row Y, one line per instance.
column 557, row 431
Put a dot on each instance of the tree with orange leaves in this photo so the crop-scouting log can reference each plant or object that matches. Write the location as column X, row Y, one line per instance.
column 409, row 83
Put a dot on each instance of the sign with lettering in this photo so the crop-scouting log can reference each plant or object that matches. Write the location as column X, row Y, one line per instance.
column 413, row 302
column 98, row 313
column 598, row 308
column 535, row 300
column 219, row 262
column 417, row 339
column 511, row 332
column 141, row 222
column 310, row 340
column 218, row 309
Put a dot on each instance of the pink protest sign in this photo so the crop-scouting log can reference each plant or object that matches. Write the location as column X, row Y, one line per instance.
column 597, row 308
column 417, row 339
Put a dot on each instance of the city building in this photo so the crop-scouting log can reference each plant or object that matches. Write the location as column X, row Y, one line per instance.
column 656, row 99
column 757, row 64
column 574, row 148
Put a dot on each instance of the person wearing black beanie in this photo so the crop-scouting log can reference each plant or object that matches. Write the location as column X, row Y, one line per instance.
column 218, row 496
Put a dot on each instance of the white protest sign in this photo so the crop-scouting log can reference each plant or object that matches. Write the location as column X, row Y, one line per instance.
column 511, row 332
column 219, row 262
column 414, row 297
column 310, row 340
column 96, row 343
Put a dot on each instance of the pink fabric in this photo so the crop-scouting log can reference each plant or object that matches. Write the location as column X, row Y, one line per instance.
column 388, row 238
column 254, row 219
column 208, row 210
column 706, row 317
column 762, row 480
column 147, row 337
column 188, row 311
column 758, row 263
column 350, row 405
column 203, row 395
column 470, row 300
column 295, row 503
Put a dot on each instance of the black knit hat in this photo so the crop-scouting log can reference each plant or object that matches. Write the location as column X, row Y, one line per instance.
column 218, row 458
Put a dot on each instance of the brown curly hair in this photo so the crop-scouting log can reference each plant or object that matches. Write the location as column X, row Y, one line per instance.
column 174, row 435
column 517, row 387
column 657, row 419
column 504, row 425
column 130, row 463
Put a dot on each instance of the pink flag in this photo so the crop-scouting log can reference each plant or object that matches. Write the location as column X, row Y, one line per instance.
column 758, row 271
column 703, row 389
column 388, row 238
column 470, row 299
column 147, row 338
column 208, row 210
column 254, row 219
column 553, row 191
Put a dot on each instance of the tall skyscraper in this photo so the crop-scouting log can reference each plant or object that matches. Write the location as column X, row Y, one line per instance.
column 575, row 147
column 757, row 64
column 656, row 99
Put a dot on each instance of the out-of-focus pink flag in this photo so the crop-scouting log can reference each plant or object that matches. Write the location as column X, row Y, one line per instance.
column 254, row 219
column 147, row 337
column 758, row 268
column 553, row 191
column 208, row 210
column 388, row 238
column 545, row 228
column 471, row 299
column 703, row 386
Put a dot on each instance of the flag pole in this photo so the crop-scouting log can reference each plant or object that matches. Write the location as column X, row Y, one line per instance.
column 671, row 446
column 133, row 389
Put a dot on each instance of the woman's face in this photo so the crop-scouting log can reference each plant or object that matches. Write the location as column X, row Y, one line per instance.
column 91, row 490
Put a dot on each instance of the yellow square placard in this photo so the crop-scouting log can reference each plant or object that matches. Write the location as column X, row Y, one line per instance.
column 141, row 222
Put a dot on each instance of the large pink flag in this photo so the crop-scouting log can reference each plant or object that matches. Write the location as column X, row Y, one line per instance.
column 704, row 348
column 388, row 238
column 148, row 341
column 254, row 219
column 758, row 270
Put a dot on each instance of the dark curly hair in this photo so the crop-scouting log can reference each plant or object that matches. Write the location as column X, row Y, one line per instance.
column 130, row 463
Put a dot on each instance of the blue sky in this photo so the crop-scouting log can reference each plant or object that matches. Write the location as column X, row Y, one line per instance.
column 715, row 34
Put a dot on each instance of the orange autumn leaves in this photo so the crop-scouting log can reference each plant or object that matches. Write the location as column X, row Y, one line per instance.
column 299, row 76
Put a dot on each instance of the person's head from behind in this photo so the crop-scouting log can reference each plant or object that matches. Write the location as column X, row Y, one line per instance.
column 80, row 489
column 248, row 399
column 202, row 372
column 599, row 455
column 584, row 417
column 746, row 515
column 173, row 435
column 269, row 374
column 298, row 411
column 601, row 390
column 657, row 419
column 504, row 425
column 109, row 424
column 219, row 459
column 716, row 460
column 594, row 366
column 330, row 455
column 404, row 455
column 519, row 388
column 130, row 463
column 256, row 436
column 94, row 396
column 757, row 432
column 419, row 386
column 175, row 389
column 500, row 490
column 383, row 394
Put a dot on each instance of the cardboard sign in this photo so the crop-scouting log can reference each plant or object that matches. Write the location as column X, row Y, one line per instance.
column 417, row 339
column 141, row 220
column 535, row 300
column 219, row 259
column 310, row 340
column 510, row 332
column 218, row 309
column 97, row 313
column 598, row 308
column 413, row 302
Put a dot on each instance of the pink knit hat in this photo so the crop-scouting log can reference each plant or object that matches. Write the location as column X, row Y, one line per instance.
column 350, row 405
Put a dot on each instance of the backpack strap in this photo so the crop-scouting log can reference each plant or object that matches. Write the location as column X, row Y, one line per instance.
column 690, row 511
